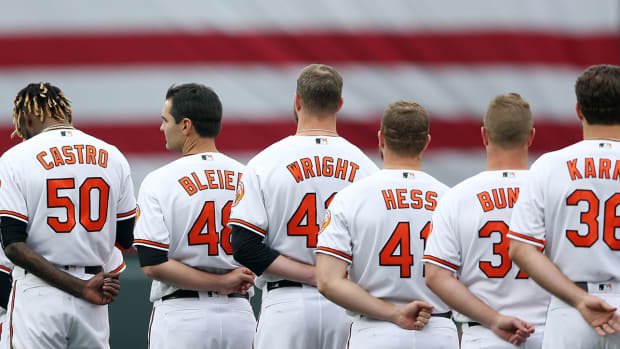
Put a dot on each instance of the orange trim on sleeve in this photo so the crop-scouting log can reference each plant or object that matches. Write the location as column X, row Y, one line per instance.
column 440, row 261
column 119, row 268
column 121, row 215
column 331, row 250
column 152, row 243
column 7, row 269
column 528, row 238
column 249, row 225
column 11, row 213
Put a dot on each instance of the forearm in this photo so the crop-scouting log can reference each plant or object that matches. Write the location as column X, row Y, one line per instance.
column 544, row 272
column 183, row 276
column 293, row 270
column 443, row 283
column 22, row 255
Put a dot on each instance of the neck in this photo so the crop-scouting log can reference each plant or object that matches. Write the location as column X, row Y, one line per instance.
column 611, row 132
column 506, row 159
column 197, row 145
column 398, row 162
column 313, row 125
column 48, row 125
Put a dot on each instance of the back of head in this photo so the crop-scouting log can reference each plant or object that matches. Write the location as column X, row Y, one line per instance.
column 598, row 94
column 319, row 88
column 198, row 103
column 508, row 121
column 405, row 128
column 42, row 100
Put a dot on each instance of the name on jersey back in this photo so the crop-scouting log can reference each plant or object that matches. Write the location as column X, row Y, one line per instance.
column 209, row 179
column 73, row 154
column 325, row 166
column 589, row 168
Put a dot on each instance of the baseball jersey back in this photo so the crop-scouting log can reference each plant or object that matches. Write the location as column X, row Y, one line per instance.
column 70, row 188
column 287, row 187
column 184, row 208
column 380, row 226
column 571, row 205
column 469, row 238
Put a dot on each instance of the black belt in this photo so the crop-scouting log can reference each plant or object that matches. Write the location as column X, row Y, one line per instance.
column 447, row 314
column 91, row 269
column 282, row 283
column 194, row 294
column 472, row 323
column 582, row 285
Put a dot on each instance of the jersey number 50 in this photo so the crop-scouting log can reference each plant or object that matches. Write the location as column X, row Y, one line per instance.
column 86, row 189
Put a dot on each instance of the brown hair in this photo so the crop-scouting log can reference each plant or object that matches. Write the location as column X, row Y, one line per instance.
column 598, row 94
column 405, row 127
column 508, row 120
column 319, row 88
column 42, row 100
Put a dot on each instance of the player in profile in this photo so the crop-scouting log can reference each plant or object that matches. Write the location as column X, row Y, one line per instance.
column 66, row 198
column 570, row 205
column 199, row 291
column 466, row 256
column 368, row 255
column 276, row 218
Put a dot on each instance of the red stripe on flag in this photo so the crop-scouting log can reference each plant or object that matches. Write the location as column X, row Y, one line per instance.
column 468, row 47
column 253, row 136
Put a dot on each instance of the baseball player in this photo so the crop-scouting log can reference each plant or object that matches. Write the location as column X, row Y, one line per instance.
column 66, row 198
column 570, row 206
column 6, row 267
column 466, row 257
column 374, row 232
column 276, row 217
column 199, row 291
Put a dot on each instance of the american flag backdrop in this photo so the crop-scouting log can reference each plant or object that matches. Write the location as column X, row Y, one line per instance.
column 116, row 58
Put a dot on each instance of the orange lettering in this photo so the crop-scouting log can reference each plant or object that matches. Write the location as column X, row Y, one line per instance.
column 295, row 171
column 306, row 164
column 572, row 169
column 91, row 155
column 617, row 170
column 500, row 202
column 341, row 168
column 211, row 179
column 317, row 162
column 79, row 148
column 400, row 194
column 69, row 157
column 416, row 197
column 603, row 171
column 388, row 197
column 229, row 180
column 188, row 186
column 46, row 165
column 200, row 185
column 431, row 198
column 56, row 156
column 328, row 168
column 513, row 196
column 485, row 201
column 219, row 175
column 354, row 168
column 590, row 169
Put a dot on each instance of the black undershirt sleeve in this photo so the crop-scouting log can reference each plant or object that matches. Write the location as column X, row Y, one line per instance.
column 124, row 233
column 151, row 256
column 249, row 250
column 12, row 230
column 5, row 289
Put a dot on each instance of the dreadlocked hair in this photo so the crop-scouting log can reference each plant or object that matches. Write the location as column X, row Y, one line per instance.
column 41, row 100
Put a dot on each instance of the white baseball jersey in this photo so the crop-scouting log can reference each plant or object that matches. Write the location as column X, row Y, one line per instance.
column 116, row 263
column 70, row 188
column 469, row 238
column 380, row 225
column 6, row 266
column 287, row 187
column 184, row 208
column 571, row 204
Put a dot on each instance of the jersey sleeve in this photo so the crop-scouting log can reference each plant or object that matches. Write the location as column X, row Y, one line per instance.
column 151, row 230
column 335, row 238
column 248, row 209
column 527, row 223
column 12, row 198
column 126, row 201
column 115, row 263
column 443, row 246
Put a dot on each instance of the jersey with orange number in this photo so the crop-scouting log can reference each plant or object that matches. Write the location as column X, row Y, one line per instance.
column 571, row 204
column 70, row 188
column 469, row 238
column 184, row 208
column 287, row 187
column 380, row 226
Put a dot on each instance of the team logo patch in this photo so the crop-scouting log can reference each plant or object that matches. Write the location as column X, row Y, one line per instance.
column 326, row 220
column 409, row 175
column 207, row 157
column 239, row 193
column 137, row 212
column 321, row 140
column 604, row 145
column 508, row 174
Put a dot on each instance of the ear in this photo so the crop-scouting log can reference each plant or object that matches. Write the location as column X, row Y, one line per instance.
column 188, row 125
column 340, row 105
column 428, row 141
column 297, row 102
column 579, row 113
column 530, row 139
column 381, row 139
column 484, row 135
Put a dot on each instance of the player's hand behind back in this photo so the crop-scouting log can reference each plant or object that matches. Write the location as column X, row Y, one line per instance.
column 413, row 315
column 102, row 288
column 238, row 280
column 511, row 329
column 599, row 314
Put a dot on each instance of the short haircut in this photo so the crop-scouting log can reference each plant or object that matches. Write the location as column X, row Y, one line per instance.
column 198, row 103
column 508, row 121
column 598, row 94
column 319, row 88
column 404, row 126
column 42, row 100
